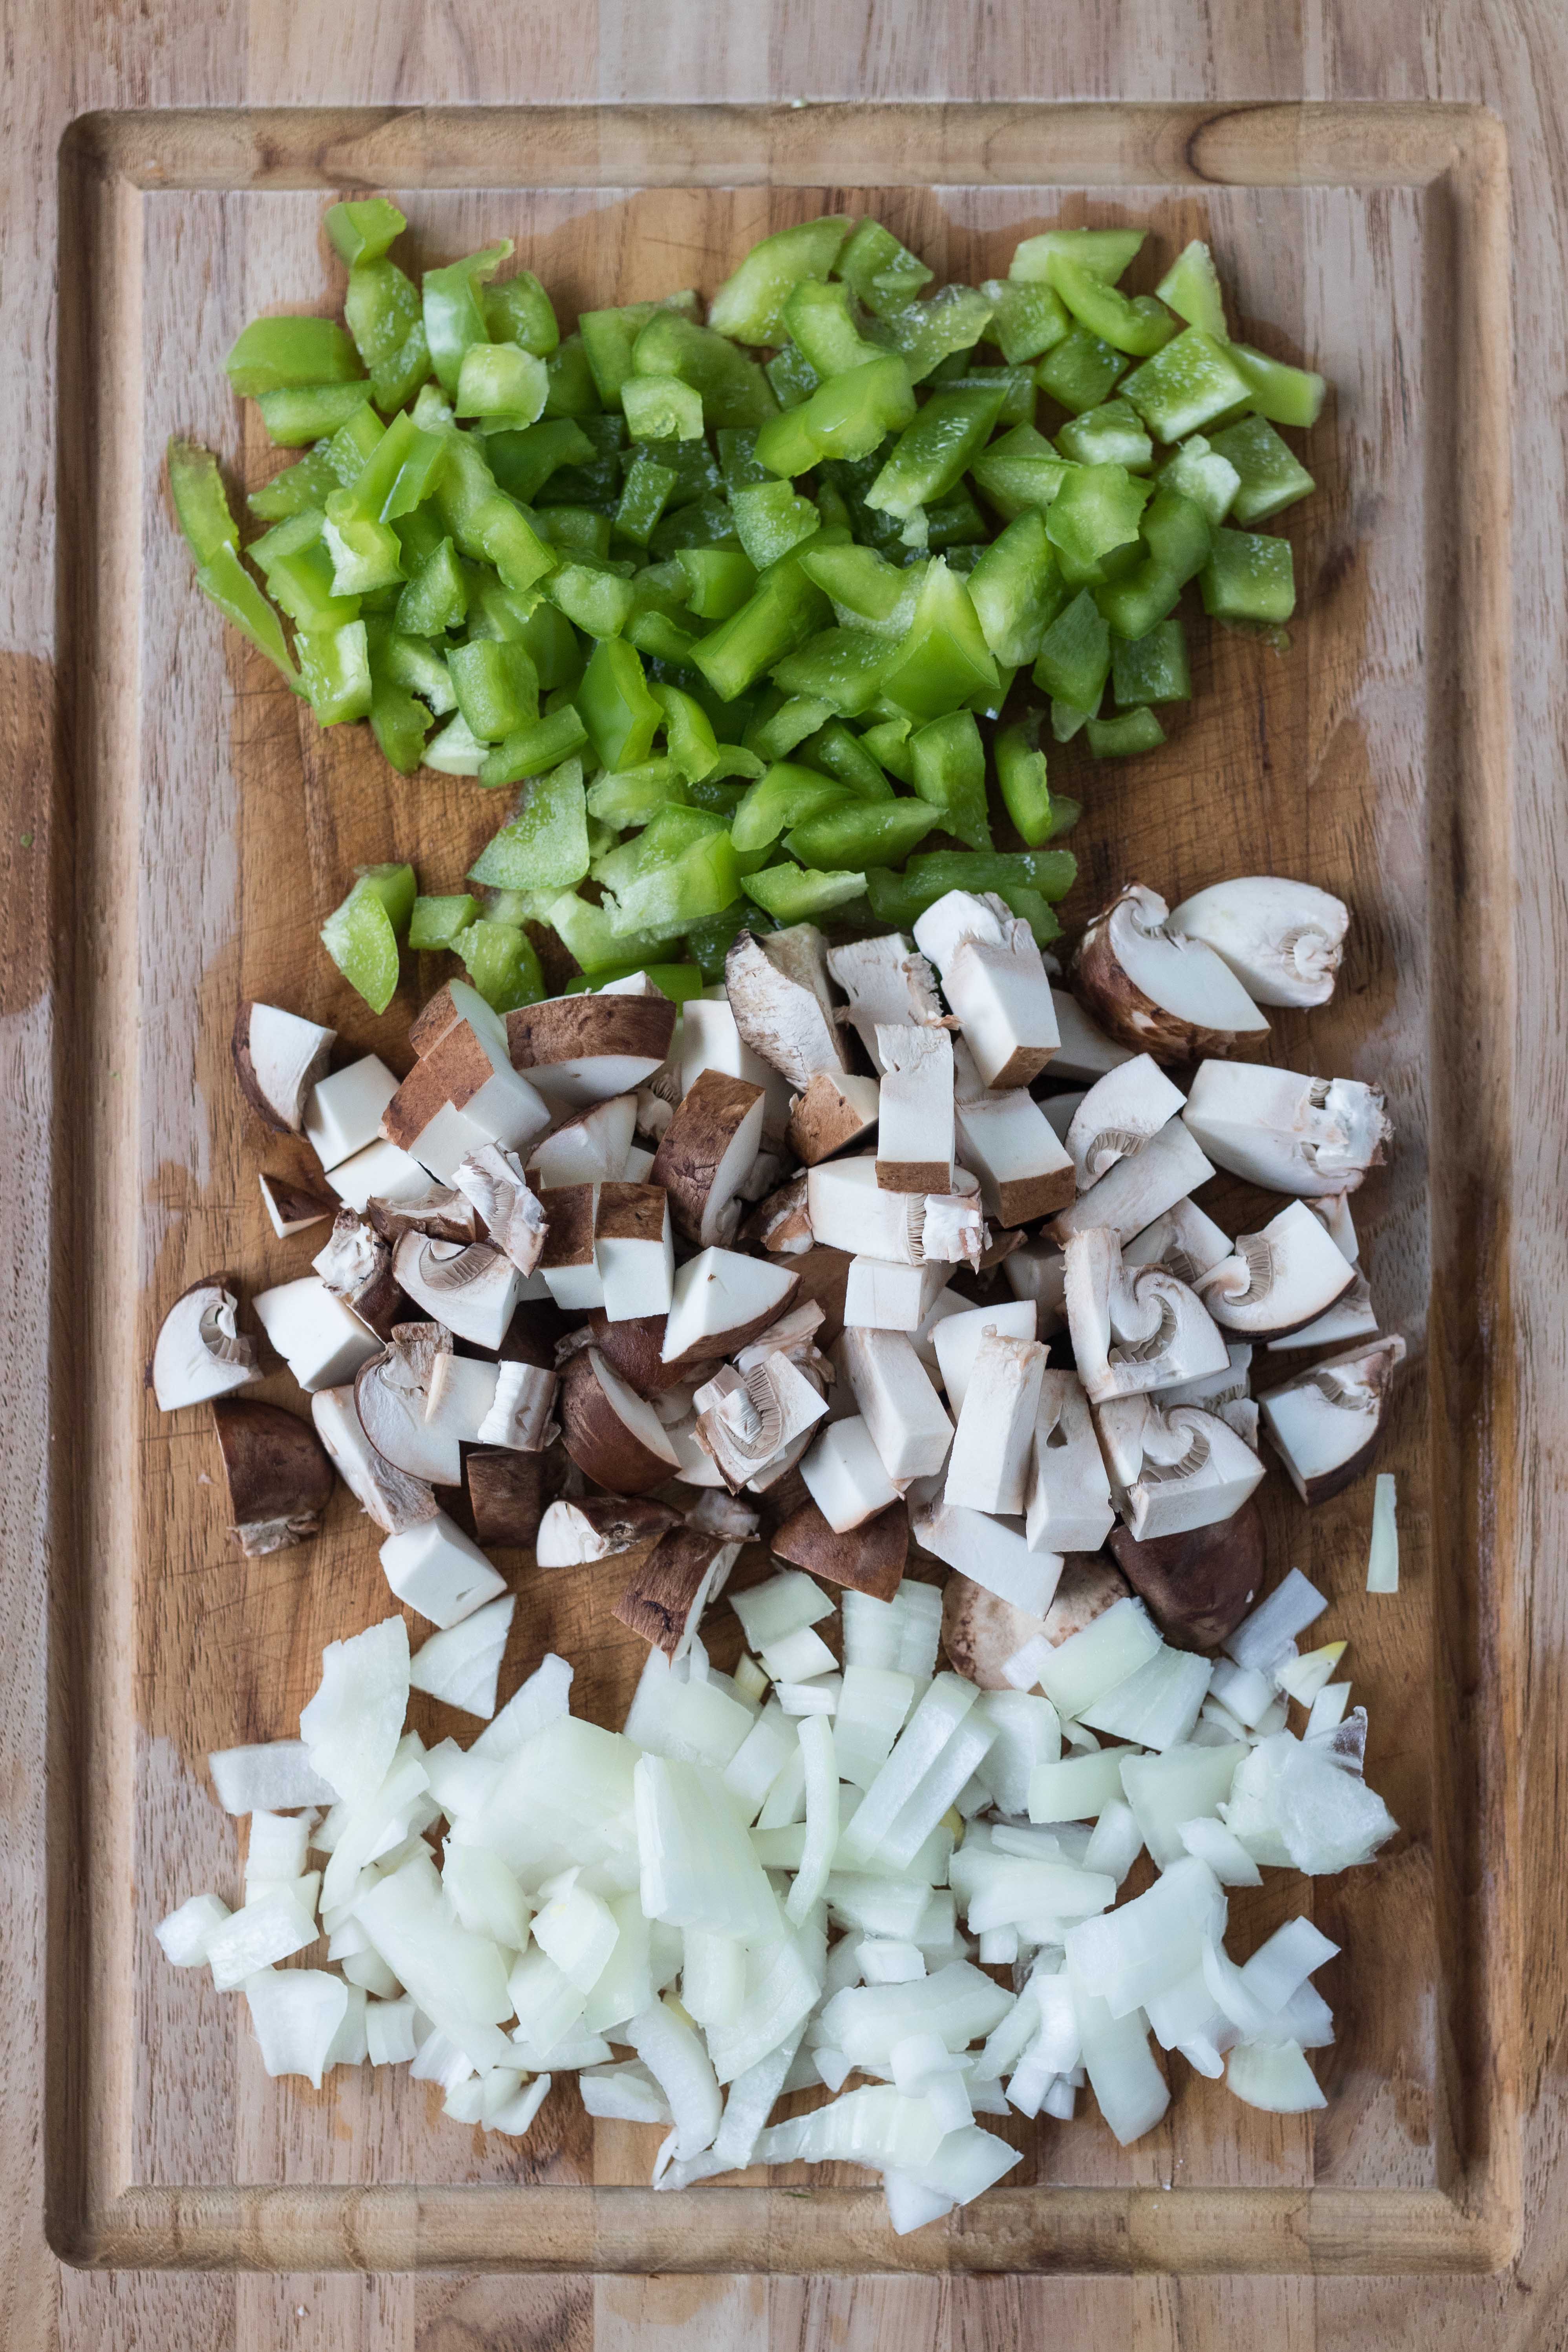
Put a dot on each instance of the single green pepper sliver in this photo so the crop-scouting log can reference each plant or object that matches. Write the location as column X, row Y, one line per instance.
column 523, row 461
column 1017, row 590
column 335, row 668
column 1132, row 731
column 1249, row 576
column 1074, row 659
column 359, row 939
column 750, row 306
column 580, row 531
column 296, row 414
column 596, row 600
column 783, row 613
column 200, row 503
column 1199, row 473
column 791, row 377
column 933, row 452
column 499, row 380
column 436, row 597
column 497, row 688
column 944, row 660
column 797, row 894
column 733, row 390
column 398, row 720
column 1016, row 384
column 1104, row 252
column 1140, row 326
column 859, row 579
column 843, row 668
column 1192, row 289
column 293, row 559
column 545, row 841
column 225, row 580
column 927, row 333
column 273, row 354
column 786, row 726
column 454, row 310
column 888, row 744
column 721, row 579
column 501, row 964
column 872, row 253
column 635, row 796
column 786, row 795
column 948, row 759
column 573, row 392
column 550, row 741
column 616, row 706
column 1066, row 722
column 678, row 981
column 1027, row 319
column 1080, row 372
column 362, row 229
column 678, row 869
column 1185, row 387
column 1285, row 394
column 661, row 408
column 520, row 311
column 386, row 319
column 1269, row 475
column 1111, row 434
column 586, row 931
column 838, row 752
column 770, row 519
column 816, row 315
column 1021, row 774
column 1020, row 472
column 863, row 832
column 1095, row 514
column 435, row 923
column 646, row 494
column 413, row 662
column 1151, row 668
column 366, row 556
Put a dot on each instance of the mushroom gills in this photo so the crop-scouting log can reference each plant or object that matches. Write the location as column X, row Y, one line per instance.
column 1282, row 939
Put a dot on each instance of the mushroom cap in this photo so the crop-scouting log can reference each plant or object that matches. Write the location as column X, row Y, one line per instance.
column 280, row 1478
column 1170, row 998
column 198, row 1352
column 1197, row 1587
column 1282, row 939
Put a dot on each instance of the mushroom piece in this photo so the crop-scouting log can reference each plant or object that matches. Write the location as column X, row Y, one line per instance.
column 1282, row 939
column 1085, row 1051
column 782, row 1224
column 464, row 1092
column 356, row 1267
column 958, row 1339
column 1351, row 1317
column 1227, row 1393
column 1117, row 1116
column 851, row 1211
column 569, row 1265
column 953, row 1231
column 722, row 1300
column 1199, row 1585
column 1174, row 1470
column 379, row 1170
column 995, row 980
column 493, row 1183
column 504, row 1494
column 1134, row 1328
column 1038, row 1272
column 460, row 1393
column 391, row 1392
column 436, row 1569
column 980, row 1631
column 1024, row 1168
column 716, row 1513
column 1279, row 1279
column 881, row 1296
column 593, row 1527
column 633, row 1250
column 1324, row 1423
column 1308, row 1135
column 835, row 1111
column 613, row 1435
column 988, row 1467
column 667, row 1594
column 280, row 1478
column 990, row 1552
column 870, row 1558
column 322, row 1341
column 1183, row 1239
column 433, row 1020
column 518, row 1413
column 583, row 1049
column 291, row 1207
column 1170, row 997
column 778, row 990
column 278, row 1058
column 1089, row 1587
column 843, row 1475
column 385, row 1494
column 1069, row 1506
column 588, row 1148
column 915, row 1130
column 758, row 1419
column 198, row 1352
column 471, row 1287
column 898, row 1401
column 887, row 981
column 705, row 1153
column 1332, row 1210
column 1137, row 1190
column 343, row 1111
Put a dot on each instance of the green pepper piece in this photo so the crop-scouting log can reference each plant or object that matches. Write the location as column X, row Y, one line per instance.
column 1105, row 253
column 851, row 414
column 522, row 462
column 1028, row 320
column 888, row 744
column 616, row 706
column 659, row 638
column 1021, row 773
column 1248, row 577
column 362, row 229
column 786, row 726
column 1151, row 668
column 874, row 253
column 1074, row 659
column 573, row 392
column 1095, row 517
column 786, row 795
column 709, row 940
column 334, row 666
column 1020, row 473
column 354, row 443
column 1066, row 722
column 584, row 532
column 597, row 601
column 817, row 316
column 298, row 569
column 225, row 580
column 678, row 981
column 1269, row 475
column 497, row 688
column 1111, row 434
column 1080, row 372
column 499, row 380
column 398, row 721
column 902, row 898
column 396, row 479
column 733, row 390
column 273, row 354
column 770, row 519
column 949, row 763
column 435, row 923
column 1177, row 533
column 298, row 414
column 784, row 612
column 738, row 460
column 436, row 597
column 680, row 868
column 722, row 579
column 795, row 894
column 307, row 484
column 1140, row 326
column 360, row 940
column 413, row 662
column 454, row 752
column 454, row 310
column 843, row 668
column 661, row 408
column 1199, row 473
column 586, row 931
column 637, row 794
column 365, row 556
column 200, row 503
column 693, row 746
column 1191, row 286
column 1132, row 731
column 841, row 754
column 1016, row 384
column 647, row 493
column 548, row 744
column 520, row 311
column 545, row 841
column 483, row 520
column 750, row 305
column 944, row 660
column 1187, row 385
column 927, row 333
column 386, row 319
column 1017, row 590
column 1286, row 395
column 842, row 838
column 609, row 337
column 859, row 579
column 931, row 454
column 502, row 964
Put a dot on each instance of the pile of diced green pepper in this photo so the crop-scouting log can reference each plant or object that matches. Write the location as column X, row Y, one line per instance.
column 747, row 610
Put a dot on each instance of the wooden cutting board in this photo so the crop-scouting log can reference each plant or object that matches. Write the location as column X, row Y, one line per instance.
column 1374, row 757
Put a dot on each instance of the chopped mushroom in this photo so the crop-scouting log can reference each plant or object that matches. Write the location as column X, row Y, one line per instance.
column 1085, row 1051
column 387, row 1495
column 569, row 1265
column 278, row 1058
column 1279, row 1279
column 908, row 1423
column 1068, row 1507
column 1183, row 1239
column 835, row 1110
column 583, row 1049
column 504, row 1494
column 1197, row 1586
column 1170, row 997
column 436, row 1569
column 1351, row 1317
column 356, row 1267
column 778, row 990
column 460, row 1393
column 880, row 1295
column 613, row 1435
column 493, row 1182
column 759, row 1420
column 980, row 1631
column 1324, row 1423
column 1134, row 1328
column 291, row 1207
column 462, row 1094
column 1176, row 1470
column 1289, row 1133
column 279, row 1479
column 886, row 982
column 850, row 1211
column 518, row 1415
column 716, row 1513
column 844, row 1477
column 1006, row 1139
column 992, row 977
column 593, row 1527
column 953, row 1231
column 343, row 1111
column 379, row 1171
column 392, row 1393
column 915, row 1134
column 470, row 1288
column 782, row 1224
column 988, row 1468
column 322, row 1341
column 870, row 1558
column 198, row 1352
column 1117, row 1116
column 1139, row 1188
column 990, row 1551
column 1283, row 941
column 588, row 1148
column 667, row 1596
column 706, row 1152
column 633, row 1250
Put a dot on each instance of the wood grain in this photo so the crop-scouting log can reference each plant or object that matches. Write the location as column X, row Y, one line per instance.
column 1505, row 57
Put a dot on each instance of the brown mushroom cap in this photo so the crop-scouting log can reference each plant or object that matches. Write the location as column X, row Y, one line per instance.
column 600, row 1442
column 505, row 1494
column 280, row 1478
column 1199, row 1586
column 868, row 1559
column 979, row 1632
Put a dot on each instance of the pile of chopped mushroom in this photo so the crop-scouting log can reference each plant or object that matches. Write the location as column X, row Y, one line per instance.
column 828, row 1259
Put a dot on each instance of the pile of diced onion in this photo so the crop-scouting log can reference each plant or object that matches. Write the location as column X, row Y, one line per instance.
column 897, row 1886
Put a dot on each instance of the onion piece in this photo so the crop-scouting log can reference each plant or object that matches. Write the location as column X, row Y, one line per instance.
column 1382, row 1560
column 822, row 1823
column 351, row 1726
column 297, row 2014
column 1275, row 2077
column 675, row 2057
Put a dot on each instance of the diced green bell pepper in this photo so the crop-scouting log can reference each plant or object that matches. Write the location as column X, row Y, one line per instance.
column 770, row 518
column 750, row 305
column 1140, row 326
column 1017, row 590
column 550, row 741
column 1130, row 730
column 776, row 734
column 678, row 981
column 733, row 390
column 273, row 354
column 1185, row 387
column 888, row 744
column 1094, row 516
column 520, row 311
column 661, row 408
column 791, row 377
column 784, row 612
column 647, row 492
column 436, row 597
column 386, row 319
column 844, row 755
column 456, row 752
column 399, row 722
column 847, row 418
column 926, row 334
column 1074, row 659
column 545, row 841
column 934, row 452
column 873, row 261
column 694, row 748
column 294, row 560
column 497, row 688
column 1248, row 577
column 862, row 832
column 902, row 898
column 1286, row 395
column 502, row 964
column 362, row 229
column 334, row 667
column 354, row 443
column 365, row 556
column 1104, row 252
column 1020, row 472
column 843, row 668
column 522, row 462
column 616, row 706
column 635, row 795
column 200, row 501
column 857, row 578
column 948, row 759
column 1027, row 319
column 1021, row 773
column 678, row 869
column 798, row 894
column 1080, row 372
column 397, row 476
column 944, row 661
column 785, row 796
column 308, row 483
column 1191, row 286
column 361, row 937
column 1176, row 532
column 817, row 316
column 1269, row 475
column 706, row 522
column 1196, row 468
column 225, row 580
column 1151, row 668
column 499, row 381
column 722, row 579
column 413, row 662
column 1111, row 434
column 1066, row 722
column 454, row 310
column 595, row 599
column 573, row 391
column 435, row 923
column 298, row 414
column 599, row 949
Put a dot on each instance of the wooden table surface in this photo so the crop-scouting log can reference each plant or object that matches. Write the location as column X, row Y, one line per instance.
column 63, row 61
